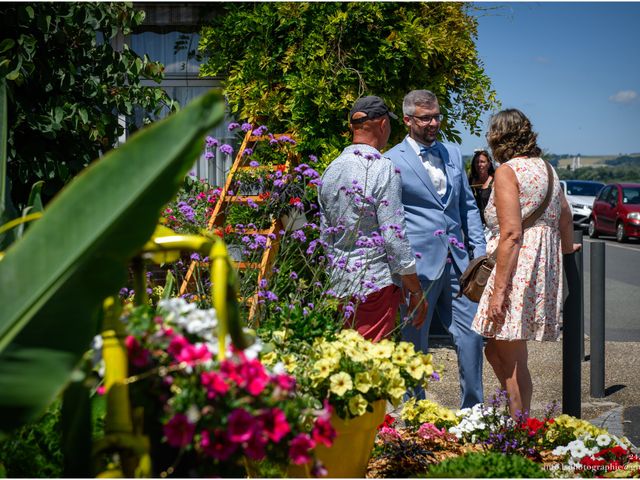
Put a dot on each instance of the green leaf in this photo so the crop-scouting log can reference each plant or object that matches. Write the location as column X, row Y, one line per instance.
column 6, row 44
column 30, row 12
column 53, row 281
column 3, row 146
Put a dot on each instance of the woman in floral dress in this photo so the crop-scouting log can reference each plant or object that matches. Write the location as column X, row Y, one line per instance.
column 523, row 297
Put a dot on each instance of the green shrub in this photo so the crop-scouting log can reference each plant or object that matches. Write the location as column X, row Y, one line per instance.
column 34, row 450
column 487, row 465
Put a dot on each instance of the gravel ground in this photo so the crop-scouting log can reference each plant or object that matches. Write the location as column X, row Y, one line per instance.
column 622, row 379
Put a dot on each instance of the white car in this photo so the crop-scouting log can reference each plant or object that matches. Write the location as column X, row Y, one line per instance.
column 580, row 195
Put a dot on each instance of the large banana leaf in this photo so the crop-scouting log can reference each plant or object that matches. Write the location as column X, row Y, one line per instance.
column 53, row 280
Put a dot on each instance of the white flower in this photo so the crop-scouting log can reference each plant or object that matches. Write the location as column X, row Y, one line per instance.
column 559, row 451
column 279, row 369
column 578, row 449
column 193, row 413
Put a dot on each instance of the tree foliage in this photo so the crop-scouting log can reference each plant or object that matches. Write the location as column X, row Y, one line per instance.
column 300, row 66
column 66, row 86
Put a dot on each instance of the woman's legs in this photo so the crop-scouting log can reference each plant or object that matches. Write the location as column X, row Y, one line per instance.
column 509, row 362
column 491, row 353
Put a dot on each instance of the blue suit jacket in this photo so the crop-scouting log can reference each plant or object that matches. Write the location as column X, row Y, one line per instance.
column 426, row 212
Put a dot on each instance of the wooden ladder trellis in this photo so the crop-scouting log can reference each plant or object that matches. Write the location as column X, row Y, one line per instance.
column 217, row 219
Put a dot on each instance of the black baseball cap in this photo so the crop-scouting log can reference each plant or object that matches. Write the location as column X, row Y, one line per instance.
column 372, row 106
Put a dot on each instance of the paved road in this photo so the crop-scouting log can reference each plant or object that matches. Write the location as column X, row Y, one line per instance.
column 622, row 289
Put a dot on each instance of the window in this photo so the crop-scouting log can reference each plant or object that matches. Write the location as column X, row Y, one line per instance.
column 604, row 193
column 172, row 45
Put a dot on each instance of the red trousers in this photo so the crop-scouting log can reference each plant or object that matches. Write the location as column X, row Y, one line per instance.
column 375, row 318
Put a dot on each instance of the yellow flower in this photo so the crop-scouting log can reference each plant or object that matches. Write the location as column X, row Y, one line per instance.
column 269, row 358
column 279, row 336
column 416, row 369
column 405, row 348
column 322, row 369
column 341, row 383
column 399, row 358
column 383, row 349
column 290, row 363
column 355, row 354
column 358, row 405
column 396, row 389
column 363, row 382
column 376, row 378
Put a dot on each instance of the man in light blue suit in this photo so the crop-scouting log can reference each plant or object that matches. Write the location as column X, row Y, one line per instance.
column 445, row 230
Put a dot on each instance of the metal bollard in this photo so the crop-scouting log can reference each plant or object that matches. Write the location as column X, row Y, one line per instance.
column 571, row 340
column 597, row 318
column 578, row 238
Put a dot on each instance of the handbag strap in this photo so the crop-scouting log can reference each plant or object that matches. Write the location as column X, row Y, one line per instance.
column 535, row 215
column 531, row 219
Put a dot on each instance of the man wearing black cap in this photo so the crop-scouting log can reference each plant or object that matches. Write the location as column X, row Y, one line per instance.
column 362, row 223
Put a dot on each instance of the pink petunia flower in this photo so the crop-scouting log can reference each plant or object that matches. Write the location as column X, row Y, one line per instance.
column 275, row 424
column 192, row 354
column 323, row 432
column 285, row 382
column 388, row 434
column 214, row 384
column 255, row 448
column 216, row 444
column 138, row 355
column 241, row 425
column 254, row 376
column 179, row 431
column 300, row 448
column 177, row 344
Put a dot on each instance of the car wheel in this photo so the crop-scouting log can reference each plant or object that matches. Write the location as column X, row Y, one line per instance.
column 593, row 233
column 620, row 236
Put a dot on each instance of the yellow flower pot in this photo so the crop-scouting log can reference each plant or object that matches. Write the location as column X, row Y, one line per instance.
column 349, row 455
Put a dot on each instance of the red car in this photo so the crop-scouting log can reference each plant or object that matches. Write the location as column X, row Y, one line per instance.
column 616, row 211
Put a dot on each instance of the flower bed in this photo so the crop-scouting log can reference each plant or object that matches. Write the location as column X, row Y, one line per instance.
column 560, row 446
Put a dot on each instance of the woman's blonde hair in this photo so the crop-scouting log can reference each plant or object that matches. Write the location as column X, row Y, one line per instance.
column 511, row 135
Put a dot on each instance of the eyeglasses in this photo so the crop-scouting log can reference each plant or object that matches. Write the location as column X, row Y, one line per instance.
column 428, row 118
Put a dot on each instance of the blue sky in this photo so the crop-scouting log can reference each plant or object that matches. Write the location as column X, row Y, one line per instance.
column 572, row 67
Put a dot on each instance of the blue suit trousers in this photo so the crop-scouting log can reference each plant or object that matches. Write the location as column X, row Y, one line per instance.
column 456, row 315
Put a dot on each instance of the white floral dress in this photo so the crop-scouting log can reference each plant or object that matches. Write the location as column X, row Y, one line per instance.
column 534, row 293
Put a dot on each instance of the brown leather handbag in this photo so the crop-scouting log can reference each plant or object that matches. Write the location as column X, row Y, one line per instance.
column 474, row 279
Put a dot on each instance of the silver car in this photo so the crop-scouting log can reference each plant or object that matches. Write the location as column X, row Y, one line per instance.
column 580, row 195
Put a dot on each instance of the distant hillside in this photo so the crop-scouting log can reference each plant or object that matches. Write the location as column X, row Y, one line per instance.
column 602, row 168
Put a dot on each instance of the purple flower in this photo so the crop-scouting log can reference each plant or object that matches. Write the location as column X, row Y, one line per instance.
column 195, row 257
column 233, row 125
column 313, row 158
column 357, row 152
column 124, row 292
column 438, row 233
column 248, row 152
column 435, row 376
column 211, row 142
column 228, row 149
column 254, row 164
column 299, row 235
column 271, row 296
column 418, row 255
column 246, row 127
column 208, row 155
column 293, row 275
column 261, row 130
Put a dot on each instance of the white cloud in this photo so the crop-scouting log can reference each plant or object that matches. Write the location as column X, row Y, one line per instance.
column 624, row 96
